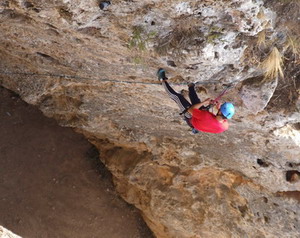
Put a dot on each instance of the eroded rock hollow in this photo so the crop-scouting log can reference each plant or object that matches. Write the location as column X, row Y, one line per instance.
column 94, row 69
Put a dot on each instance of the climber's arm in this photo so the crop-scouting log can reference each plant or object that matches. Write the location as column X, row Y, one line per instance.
column 198, row 105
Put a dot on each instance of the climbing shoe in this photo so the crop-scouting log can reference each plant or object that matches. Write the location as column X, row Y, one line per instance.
column 161, row 74
column 195, row 131
column 104, row 4
column 191, row 85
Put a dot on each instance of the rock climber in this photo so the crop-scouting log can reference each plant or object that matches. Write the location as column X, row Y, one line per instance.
column 196, row 113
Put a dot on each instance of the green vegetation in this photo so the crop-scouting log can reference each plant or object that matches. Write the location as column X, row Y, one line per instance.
column 214, row 34
column 137, row 60
column 138, row 43
column 185, row 34
column 139, row 38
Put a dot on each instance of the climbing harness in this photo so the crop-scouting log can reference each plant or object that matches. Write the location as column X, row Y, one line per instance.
column 188, row 122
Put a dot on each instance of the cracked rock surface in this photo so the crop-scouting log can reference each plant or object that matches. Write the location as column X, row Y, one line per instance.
column 94, row 70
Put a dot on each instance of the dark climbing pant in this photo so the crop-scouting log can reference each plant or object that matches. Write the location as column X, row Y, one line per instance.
column 193, row 96
column 180, row 100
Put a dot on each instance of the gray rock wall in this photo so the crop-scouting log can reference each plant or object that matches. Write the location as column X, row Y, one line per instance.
column 94, row 70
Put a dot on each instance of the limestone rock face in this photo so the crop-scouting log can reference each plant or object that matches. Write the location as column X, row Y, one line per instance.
column 4, row 233
column 95, row 70
column 256, row 97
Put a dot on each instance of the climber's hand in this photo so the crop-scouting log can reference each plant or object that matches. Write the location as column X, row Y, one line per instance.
column 207, row 101
column 218, row 105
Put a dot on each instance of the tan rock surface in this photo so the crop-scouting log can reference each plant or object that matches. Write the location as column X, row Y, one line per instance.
column 95, row 71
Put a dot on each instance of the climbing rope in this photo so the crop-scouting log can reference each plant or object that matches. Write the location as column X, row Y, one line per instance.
column 85, row 78
column 74, row 77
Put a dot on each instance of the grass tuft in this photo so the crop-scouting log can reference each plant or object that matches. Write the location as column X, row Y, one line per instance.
column 272, row 65
column 261, row 39
column 293, row 44
column 261, row 14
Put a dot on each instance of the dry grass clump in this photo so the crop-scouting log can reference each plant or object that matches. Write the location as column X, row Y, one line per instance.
column 261, row 38
column 273, row 64
column 277, row 47
column 293, row 44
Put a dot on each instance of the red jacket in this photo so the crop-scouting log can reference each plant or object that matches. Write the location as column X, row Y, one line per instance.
column 206, row 121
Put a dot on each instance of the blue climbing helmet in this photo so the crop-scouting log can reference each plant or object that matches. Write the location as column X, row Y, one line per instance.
column 227, row 109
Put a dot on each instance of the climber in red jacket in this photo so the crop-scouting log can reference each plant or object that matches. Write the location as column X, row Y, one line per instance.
column 196, row 114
